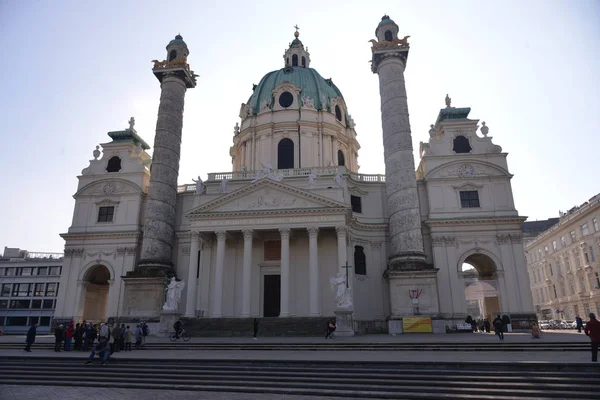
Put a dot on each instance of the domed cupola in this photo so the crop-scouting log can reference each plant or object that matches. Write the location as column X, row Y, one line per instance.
column 296, row 55
column 177, row 48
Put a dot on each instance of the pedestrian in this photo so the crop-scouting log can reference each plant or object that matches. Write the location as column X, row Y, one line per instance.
column 69, row 333
column 77, row 339
column 115, row 339
column 579, row 323
column 535, row 331
column 499, row 327
column 330, row 329
column 255, row 328
column 486, row 325
column 122, row 337
column 138, row 336
column 30, row 337
column 58, row 337
column 128, row 338
column 145, row 332
column 102, row 349
column 592, row 329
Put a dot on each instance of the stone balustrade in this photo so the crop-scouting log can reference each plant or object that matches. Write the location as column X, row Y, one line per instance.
column 286, row 173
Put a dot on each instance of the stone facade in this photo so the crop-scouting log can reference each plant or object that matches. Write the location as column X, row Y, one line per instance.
column 563, row 263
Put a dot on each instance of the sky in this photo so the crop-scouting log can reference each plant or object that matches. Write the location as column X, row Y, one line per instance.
column 74, row 70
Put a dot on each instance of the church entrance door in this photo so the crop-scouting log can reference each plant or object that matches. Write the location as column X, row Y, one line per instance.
column 272, row 296
column 481, row 292
column 96, row 294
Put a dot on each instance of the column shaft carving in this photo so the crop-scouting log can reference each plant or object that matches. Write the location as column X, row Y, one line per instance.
column 285, row 272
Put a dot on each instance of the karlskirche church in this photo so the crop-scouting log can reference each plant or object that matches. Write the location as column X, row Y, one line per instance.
column 274, row 237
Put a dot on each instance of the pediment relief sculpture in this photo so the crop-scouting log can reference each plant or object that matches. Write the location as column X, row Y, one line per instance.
column 109, row 187
column 466, row 170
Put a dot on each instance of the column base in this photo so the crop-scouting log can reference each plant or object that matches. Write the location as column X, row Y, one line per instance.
column 144, row 297
column 409, row 261
column 344, row 323
column 152, row 268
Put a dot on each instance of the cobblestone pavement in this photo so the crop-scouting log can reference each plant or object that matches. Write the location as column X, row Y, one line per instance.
column 15, row 392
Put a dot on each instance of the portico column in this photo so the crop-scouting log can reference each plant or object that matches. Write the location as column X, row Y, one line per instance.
column 313, row 273
column 285, row 272
column 246, row 273
column 219, row 270
column 342, row 253
column 190, row 301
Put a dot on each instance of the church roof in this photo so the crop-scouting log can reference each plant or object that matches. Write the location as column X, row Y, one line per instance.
column 312, row 84
column 128, row 134
column 452, row 113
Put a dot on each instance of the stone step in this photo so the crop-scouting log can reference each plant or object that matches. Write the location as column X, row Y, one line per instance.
column 268, row 327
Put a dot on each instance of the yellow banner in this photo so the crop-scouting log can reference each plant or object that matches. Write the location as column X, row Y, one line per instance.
column 416, row 325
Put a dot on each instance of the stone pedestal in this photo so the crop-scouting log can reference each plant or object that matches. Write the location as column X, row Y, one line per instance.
column 401, row 282
column 167, row 320
column 344, row 323
column 144, row 297
column 395, row 327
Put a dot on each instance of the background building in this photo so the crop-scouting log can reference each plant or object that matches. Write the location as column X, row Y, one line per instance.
column 564, row 265
column 29, row 286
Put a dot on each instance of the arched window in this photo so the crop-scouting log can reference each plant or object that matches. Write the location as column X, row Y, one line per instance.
column 114, row 164
column 341, row 158
column 388, row 36
column 295, row 60
column 285, row 154
column 338, row 113
column 461, row 145
column 172, row 55
column 304, row 61
column 360, row 261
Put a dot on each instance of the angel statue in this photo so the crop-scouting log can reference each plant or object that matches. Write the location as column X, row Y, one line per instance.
column 199, row 185
column 312, row 178
column 343, row 297
column 223, row 186
column 338, row 178
column 174, row 289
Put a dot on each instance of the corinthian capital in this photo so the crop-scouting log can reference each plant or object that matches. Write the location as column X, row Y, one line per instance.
column 248, row 234
column 221, row 235
column 313, row 230
column 341, row 230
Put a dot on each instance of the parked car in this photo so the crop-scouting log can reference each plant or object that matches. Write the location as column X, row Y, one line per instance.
column 544, row 325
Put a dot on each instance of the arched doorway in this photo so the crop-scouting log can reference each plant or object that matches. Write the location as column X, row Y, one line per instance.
column 96, row 293
column 481, row 287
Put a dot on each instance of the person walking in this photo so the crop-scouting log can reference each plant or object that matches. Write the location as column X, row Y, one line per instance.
column 486, row 325
column 30, row 337
column 499, row 327
column 138, row 336
column 255, row 328
column 579, row 323
column 330, row 329
column 115, row 344
column 592, row 329
column 145, row 332
column 59, row 334
column 122, row 337
column 128, row 338
column 77, row 338
column 69, row 333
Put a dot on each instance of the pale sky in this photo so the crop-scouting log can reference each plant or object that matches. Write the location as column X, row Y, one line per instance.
column 74, row 70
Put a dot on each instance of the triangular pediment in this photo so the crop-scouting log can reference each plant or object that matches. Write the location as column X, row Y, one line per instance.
column 266, row 195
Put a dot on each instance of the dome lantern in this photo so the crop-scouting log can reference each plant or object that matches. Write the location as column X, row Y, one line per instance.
column 296, row 55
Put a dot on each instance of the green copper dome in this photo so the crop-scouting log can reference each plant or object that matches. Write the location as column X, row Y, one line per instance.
column 312, row 84
column 386, row 20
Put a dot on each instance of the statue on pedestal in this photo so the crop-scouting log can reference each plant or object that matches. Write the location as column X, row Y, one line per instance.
column 343, row 297
column 174, row 289
column 200, row 188
column 224, row 184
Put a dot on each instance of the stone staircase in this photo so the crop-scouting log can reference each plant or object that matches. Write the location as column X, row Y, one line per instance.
column 377, row 380
column 268, row 327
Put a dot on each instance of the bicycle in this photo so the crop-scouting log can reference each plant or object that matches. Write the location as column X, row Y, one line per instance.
column 183, row 335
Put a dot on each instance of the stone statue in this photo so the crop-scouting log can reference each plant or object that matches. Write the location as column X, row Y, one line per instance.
column 484, row 129
column 338, row 178
column 351, row 123
column 312, row 178
column 308, row 103
column 131, row 123
column 432, row 131
column 96, row 153
column 174, row 289
column 343, row 297
column 267, row 172
column 448, row 101
column 236, row 129
column 200, row 188
column 224, row 184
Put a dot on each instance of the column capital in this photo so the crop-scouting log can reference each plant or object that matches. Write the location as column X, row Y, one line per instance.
column 221, row 235
column 194, row 234
column 285, row 232
column 341, row 230
column 248, row 234
column 313, row 230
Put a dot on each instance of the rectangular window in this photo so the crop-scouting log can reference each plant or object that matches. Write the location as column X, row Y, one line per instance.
column 469, row 199
column 272, row 250
column 16, row 321
column 597, row 280
column 51, row 289
column 592, row 255
column 42, row 271
column 25, row 271
column 596, row 227
column 21, row 289
column 573, row 238
column 38, row 289
column 3, row 306
column 584, row 230
column 48, row 304
column 45, row 321
column 587, row 258
column 355, row 201
column 36, row 304
column 9, row 272
column 5, row 290
column 54, row 270
column 554, row 288
column 554, row 245
column 105, row 214
column 19, row 304
column 360, row 261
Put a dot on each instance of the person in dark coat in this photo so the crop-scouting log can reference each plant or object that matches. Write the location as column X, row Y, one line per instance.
column 78, row 337
column 579, row 322
column 486, row 325
column 30, row 337
column 499, row 327
column 255, row 328
column 592, row 329
column 330, row 329
column 59, row 334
